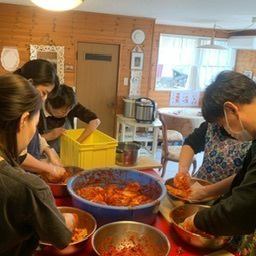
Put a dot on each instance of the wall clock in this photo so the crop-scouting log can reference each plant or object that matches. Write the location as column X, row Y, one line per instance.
column 138, row 36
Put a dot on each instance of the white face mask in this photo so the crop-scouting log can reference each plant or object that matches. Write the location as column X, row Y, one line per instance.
column 243, row 135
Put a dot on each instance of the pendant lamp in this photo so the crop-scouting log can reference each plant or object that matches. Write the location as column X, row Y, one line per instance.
column 212, row 44
column 57, row 5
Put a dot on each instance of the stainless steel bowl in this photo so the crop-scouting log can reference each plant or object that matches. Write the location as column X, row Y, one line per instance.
column 186, row 200
column 123, row 234
column 60, row 189
column 127, row 153
column 180, row 213
column 85, row 220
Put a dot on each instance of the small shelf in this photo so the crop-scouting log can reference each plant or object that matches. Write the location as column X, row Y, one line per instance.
column 144, row 138
column 141, row 137
column 138, row 138
column 130, row 130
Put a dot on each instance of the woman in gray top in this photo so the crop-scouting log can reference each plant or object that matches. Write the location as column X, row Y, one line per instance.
column 27, row 210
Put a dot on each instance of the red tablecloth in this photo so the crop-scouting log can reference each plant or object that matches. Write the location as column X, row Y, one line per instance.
column 178, row 247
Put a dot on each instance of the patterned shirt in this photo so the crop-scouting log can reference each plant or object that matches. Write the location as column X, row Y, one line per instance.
column 223, row 155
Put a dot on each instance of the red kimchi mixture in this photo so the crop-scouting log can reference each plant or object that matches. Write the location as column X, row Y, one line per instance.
column 134, row 251
column 129, row 195
column 181, row 185
column 79, row 234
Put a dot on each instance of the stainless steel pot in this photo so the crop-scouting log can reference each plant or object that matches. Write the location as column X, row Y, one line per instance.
column 129, row 107
column 127, row 153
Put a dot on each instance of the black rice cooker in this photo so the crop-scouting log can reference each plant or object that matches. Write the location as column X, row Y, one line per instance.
column 145, row 110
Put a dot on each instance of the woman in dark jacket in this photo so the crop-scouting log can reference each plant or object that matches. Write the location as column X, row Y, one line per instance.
column 231, row 100
column 27, row 210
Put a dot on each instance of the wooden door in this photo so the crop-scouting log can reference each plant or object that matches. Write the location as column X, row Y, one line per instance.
column 97, row 73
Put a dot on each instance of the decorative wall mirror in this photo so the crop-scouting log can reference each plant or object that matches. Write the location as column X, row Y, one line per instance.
column 54, row 54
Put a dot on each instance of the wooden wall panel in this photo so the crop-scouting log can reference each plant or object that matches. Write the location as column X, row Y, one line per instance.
column 21, row 26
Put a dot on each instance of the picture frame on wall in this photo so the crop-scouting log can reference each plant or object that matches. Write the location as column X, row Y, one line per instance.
column 137, row 60
column 52, row 53
column 10, row 59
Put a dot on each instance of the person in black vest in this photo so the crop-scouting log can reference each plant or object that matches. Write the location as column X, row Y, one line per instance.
column 58, row 114
column 231, row 100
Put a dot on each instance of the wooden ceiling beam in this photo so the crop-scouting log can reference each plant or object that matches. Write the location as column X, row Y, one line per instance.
column 251, row 32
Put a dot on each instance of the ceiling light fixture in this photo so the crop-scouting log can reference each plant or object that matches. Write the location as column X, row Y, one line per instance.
column 57, row 5
column 212, row 45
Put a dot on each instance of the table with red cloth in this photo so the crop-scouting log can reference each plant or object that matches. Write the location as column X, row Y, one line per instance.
column 178, row 247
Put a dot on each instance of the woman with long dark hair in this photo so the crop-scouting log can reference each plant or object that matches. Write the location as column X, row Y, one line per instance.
column 27, row 210
column 42, row 74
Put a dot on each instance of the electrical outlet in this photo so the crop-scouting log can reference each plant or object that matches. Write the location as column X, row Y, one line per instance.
column 126, row 81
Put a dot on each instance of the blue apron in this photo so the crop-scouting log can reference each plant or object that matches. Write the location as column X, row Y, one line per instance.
column 34, row 146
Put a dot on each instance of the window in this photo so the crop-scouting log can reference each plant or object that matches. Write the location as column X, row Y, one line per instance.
column 181, row 65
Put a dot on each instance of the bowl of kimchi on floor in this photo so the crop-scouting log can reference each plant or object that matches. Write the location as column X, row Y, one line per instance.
column 117, row 194
column 179, row 188
column 130, row 238
column 85, row 228
column 196, row 238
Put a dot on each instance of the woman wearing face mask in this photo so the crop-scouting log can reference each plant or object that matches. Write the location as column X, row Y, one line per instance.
column 42, row 75
column 223, row 154
column 231, row 100
column 27, row 210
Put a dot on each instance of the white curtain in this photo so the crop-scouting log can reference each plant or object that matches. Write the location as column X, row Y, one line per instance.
column 201, row 65
column 177, row 50
column 193, row 78
column 176, row 53
column 213, row 61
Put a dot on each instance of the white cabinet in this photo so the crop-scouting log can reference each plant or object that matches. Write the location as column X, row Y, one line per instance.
column 128, row 129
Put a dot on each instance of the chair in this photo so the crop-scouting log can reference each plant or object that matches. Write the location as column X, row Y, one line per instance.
column 173, row 137
column 171, row 152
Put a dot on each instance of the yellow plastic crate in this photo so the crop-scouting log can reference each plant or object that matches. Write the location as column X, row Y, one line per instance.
column 98, row 150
